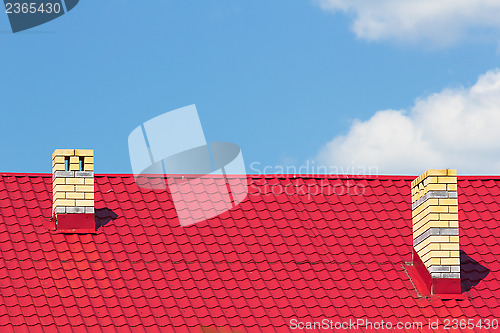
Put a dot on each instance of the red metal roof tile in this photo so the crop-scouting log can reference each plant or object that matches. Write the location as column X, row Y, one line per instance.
column 275, row 257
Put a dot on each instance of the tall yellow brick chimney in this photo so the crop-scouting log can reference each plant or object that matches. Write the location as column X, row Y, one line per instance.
column 73, row 190
column 435, row 230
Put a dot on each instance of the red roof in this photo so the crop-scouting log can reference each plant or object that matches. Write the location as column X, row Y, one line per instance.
column 282, row 256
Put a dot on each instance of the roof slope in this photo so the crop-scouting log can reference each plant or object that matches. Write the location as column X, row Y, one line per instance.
column 286, row 253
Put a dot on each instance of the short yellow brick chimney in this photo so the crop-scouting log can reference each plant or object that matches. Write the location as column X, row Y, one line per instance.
column 73, row 189
column 435, row 229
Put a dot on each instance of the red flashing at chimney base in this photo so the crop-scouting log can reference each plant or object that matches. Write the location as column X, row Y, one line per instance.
column 423, row 273
column 429, row 286
column 442, row 286
column 75, row 223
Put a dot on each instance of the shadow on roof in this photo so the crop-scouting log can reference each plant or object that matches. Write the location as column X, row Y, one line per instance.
column 103, row 216
column 471, row 272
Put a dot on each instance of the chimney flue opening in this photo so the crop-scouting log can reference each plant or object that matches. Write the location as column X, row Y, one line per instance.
column 81, row 163
column 66, row 163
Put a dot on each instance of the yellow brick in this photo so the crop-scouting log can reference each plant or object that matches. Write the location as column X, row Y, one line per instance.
column 450, row 261
column 437, row 172
column 417, row 217
column 419, row 231
column 58, row 167
column 449, row 246
column 416, row 196
column 89, row 160
column 440, row 239
column 417, row 223
column 84, row 188
column 453, row 209
column 439, row 224
column 417, row 180
column 422, row 244
column 420, row 248
column 63, row 152
column 75, row 181
column 430, row 180
column 436, row 187
column 75, row 195
column 455, row 254
column 430, row 217
column 84, row 152
column 448, row 216
column 424, row 223
column 439, row 209
column 422, row 211
column 59, row 195
column 89, row 195
column 89, row 181
column 64, row 188
column 422, row 219
column 88, row 167
column 419, row 210
column 64, row 202
column 453, row 224
column 420, row 193
column 452, row 172
column 426, row 249
column 431, row 202
column 451, row 187
column 84, row 203
column 449, row 202
column 74, row 160
column 447, row 180
column 421, row 227
column 415, row 212
column 58, row 159
column 441, row 254
column 74, row 167
column 454, row 239
column 59, row 181
column 425, row 257
column 432, row 261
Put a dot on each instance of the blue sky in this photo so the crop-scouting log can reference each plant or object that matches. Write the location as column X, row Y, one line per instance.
column 288, row 81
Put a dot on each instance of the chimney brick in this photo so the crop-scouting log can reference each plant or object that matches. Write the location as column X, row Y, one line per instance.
column 73, row 188
column 435, row 222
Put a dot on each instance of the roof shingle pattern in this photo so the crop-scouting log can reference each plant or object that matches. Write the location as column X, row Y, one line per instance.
column 304, row 248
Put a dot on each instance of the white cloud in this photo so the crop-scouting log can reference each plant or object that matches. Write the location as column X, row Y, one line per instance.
column 455, row 128
column 438, row 22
